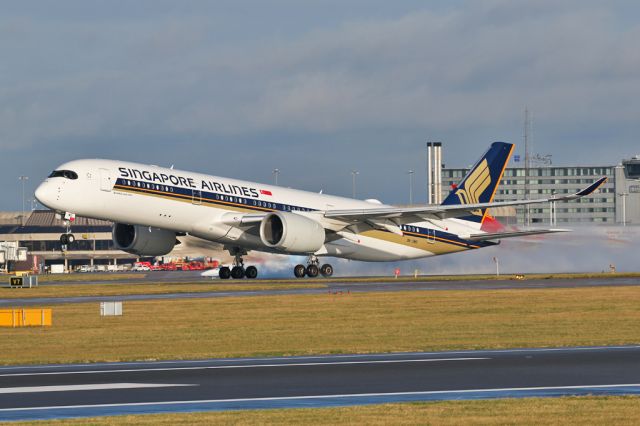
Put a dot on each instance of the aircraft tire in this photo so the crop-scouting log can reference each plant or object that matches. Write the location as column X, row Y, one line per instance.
column 251, row 272
column 71, row 238
column 326, row 270
column 225, row 273
column 64, row 239
column 312, row 271
column 237, row 272
column 299, row 271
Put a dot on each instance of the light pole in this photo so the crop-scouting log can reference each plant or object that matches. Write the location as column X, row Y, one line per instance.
column 275, row 173
column 410, row 173
column 353, row 181
column 624, row 196
column 23, row 179
column 552, row 209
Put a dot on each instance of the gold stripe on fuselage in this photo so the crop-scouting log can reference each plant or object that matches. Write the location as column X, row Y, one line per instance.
column 226, row 205
column 437, row 246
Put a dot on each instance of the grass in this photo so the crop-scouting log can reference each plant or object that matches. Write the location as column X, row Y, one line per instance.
column 116, row 289
column 481, row 277
column 114, row 277
column 538, row 411
column 328, row 323
column 64, row 284
column 62, row 278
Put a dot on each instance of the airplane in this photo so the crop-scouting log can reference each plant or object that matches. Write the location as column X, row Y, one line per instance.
column 150, row 206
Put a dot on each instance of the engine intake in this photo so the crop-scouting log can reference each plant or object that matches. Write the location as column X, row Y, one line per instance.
column 143, row 240
column 291, row 233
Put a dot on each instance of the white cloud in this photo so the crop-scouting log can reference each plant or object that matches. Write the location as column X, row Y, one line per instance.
column 460, row 72
column 477, row 65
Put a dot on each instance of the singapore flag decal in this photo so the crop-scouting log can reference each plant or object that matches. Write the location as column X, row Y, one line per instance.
column 265, row 192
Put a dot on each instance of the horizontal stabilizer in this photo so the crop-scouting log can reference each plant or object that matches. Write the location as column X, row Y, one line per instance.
column 499, row 235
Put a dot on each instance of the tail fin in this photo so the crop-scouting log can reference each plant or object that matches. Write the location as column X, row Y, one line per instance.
column 481, row 183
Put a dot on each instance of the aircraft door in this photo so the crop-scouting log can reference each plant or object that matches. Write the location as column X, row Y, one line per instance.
column 431, row 235
column 196, row 197
column 106, row 180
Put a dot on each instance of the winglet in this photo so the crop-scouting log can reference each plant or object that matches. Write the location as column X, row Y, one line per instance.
column 591, row 188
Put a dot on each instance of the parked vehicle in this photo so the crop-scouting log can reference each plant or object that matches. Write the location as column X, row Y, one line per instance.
column 141, row 266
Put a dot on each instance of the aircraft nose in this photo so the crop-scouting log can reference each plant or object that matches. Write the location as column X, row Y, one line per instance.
column 43, row 194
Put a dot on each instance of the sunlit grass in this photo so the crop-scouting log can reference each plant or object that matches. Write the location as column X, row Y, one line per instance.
column 90, row 277
column 329, row 324
column 115, row 289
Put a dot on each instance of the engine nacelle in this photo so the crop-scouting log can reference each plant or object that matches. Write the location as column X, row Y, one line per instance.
column 291, row 233
column 143, row 240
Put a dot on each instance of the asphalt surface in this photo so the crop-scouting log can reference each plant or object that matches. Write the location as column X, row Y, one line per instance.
column 60, row 391
column 336, row 286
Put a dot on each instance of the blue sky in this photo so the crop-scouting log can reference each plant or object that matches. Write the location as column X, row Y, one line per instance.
column 315, row 88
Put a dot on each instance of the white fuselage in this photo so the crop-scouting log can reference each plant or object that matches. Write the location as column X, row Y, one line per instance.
column 213, row 207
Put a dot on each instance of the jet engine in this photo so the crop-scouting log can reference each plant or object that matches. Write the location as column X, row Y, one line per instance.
column 143, row 240
column 291, row 233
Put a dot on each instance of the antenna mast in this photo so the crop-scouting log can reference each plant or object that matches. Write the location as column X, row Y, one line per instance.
column 527, row 166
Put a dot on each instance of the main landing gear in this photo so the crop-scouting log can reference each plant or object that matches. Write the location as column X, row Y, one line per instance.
column 312, row 270
column 238, row 270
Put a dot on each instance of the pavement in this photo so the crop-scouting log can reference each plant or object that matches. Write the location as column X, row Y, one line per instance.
column 83, row 390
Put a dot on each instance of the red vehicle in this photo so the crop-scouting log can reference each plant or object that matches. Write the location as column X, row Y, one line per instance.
column 168, row 266
column 194, row 265
column 212, row 264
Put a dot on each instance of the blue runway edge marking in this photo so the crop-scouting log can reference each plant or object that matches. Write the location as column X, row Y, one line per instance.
column 308, row 402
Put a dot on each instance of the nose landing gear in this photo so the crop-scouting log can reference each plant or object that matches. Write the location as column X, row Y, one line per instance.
column 67, row 238
column 238, row 270
column 312, row 270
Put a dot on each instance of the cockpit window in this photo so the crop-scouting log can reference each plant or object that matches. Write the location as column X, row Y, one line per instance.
column 67, row 174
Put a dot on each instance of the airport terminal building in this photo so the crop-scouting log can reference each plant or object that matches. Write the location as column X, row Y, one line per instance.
column 617, row 201
column 39, row 231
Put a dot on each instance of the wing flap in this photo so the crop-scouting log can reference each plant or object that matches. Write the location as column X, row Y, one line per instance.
column 500, row 235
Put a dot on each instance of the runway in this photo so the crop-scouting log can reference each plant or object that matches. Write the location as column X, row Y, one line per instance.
column 334, row 286
column 63, row 391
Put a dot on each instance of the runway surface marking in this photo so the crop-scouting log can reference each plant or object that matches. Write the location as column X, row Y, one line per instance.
column 584, row 388
column 220, row 367
column 98, row 386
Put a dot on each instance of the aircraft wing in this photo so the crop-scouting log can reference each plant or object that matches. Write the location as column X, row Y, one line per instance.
column 439, row 212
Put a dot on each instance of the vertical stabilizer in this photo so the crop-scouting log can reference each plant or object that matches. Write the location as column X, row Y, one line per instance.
column 481, row 183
